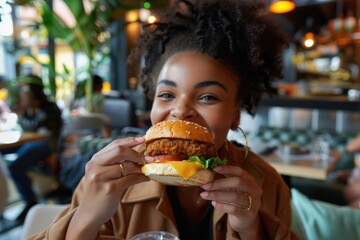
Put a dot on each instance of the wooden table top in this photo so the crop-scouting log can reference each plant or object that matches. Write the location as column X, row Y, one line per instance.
column 301, row 166
column 10, row 139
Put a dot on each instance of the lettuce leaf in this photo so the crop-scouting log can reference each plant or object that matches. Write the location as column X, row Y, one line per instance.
column 209, row 163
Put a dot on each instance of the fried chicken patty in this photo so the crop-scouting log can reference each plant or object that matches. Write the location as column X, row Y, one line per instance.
column 184, row 148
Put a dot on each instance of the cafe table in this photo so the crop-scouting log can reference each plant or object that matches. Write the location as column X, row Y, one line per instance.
column 10, row 139
column 305, row 166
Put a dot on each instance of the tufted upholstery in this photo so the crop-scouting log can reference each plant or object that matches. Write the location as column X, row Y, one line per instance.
column 304, row 137
column 93, row 143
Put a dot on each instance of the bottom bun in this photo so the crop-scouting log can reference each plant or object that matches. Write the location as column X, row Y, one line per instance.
column 165, row 173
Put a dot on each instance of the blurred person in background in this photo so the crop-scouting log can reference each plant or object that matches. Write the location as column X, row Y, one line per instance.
column 353, row 145
column 79, row 106
column 36, row 114
column 81, row 113
column 4, row 108
column 352, row 189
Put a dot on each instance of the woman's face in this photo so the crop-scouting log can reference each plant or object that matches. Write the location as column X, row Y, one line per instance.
column 26, row 98
column 196, row 87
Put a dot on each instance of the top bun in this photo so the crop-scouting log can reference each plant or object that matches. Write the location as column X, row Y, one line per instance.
column 179, row 129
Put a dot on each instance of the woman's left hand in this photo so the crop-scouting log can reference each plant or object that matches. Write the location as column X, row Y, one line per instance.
column 238, row 195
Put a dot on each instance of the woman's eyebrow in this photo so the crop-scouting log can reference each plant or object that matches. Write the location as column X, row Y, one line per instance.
column 210, row 83
column 167, row 82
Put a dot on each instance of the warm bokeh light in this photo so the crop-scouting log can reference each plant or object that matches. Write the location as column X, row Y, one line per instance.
column 132, row 16
column 132, row 30
column 309, row 43
column 151, row 19
column 3, row 94
column 133, row 81
column 282, row 6
column 144, row 14
column 106, row 87
column 309, row 40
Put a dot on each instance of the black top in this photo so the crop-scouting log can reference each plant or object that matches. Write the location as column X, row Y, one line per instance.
column 48, row 116
column 189, row 231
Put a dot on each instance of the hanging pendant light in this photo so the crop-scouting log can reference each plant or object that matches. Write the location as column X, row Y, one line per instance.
column 282, row 6
column 309, row 40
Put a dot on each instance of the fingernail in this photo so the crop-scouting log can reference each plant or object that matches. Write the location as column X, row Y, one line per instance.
column 204, row 194
column 149, row 158
column 206, row 186
column 139, row 139
column 218, row 169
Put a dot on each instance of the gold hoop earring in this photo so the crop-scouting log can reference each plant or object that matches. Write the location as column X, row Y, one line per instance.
column 246, row 141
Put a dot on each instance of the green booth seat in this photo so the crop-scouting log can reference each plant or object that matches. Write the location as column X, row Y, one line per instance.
column 304, row 137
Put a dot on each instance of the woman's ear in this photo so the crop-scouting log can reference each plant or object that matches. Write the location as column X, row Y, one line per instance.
column 236, row 121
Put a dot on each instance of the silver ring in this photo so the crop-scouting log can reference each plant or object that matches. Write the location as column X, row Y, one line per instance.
column 122, row 168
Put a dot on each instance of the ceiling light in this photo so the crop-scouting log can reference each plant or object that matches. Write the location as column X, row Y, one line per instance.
column 132, row 16
column 152, row 19
column 309, row 40
column 282, row 6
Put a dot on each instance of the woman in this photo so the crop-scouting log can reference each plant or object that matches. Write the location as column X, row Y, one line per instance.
column 352, row 177
column 36, row 114
column 203, row 63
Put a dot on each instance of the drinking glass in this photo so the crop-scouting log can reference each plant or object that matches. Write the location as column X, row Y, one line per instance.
column 155, row 235
column 321, row 147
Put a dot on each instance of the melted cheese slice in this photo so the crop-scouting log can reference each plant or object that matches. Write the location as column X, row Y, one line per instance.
column 185, row 168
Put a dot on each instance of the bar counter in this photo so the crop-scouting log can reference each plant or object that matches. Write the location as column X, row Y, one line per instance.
column 337, row 103
column 313, row 102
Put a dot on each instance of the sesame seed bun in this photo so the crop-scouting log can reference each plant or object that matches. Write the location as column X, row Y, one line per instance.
column 179, row 129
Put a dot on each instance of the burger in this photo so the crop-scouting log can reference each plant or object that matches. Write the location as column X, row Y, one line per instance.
column 184, row 153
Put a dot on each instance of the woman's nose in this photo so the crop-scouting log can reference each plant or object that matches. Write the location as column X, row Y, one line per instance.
column 183, row 110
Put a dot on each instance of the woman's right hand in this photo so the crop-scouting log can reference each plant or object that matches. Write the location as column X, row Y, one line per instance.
column 104, row 183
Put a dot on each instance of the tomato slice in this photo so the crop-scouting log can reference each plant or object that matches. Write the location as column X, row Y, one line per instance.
column 167, row 158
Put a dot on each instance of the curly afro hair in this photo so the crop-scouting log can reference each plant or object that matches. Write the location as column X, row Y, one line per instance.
column 241, row 34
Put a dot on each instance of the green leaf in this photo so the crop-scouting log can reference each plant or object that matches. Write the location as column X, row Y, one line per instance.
column 54, row 25
column 77, row 8
column 31, row 80
column 23, row 2
column 209, row 163
column 66, row 69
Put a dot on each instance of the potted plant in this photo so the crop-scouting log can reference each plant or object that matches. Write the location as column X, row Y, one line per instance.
column 89, row 33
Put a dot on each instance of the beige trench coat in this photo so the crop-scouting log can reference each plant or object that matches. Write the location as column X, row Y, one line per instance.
column 146, row 207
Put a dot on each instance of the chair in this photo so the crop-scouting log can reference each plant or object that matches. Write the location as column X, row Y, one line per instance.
column 39, row 218
column 45, row 174
column 121, row 112
column 90, row 122
column 3, row 188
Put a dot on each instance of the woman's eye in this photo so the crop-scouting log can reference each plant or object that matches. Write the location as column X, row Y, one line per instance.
column 208, row 98
column 165, row 95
